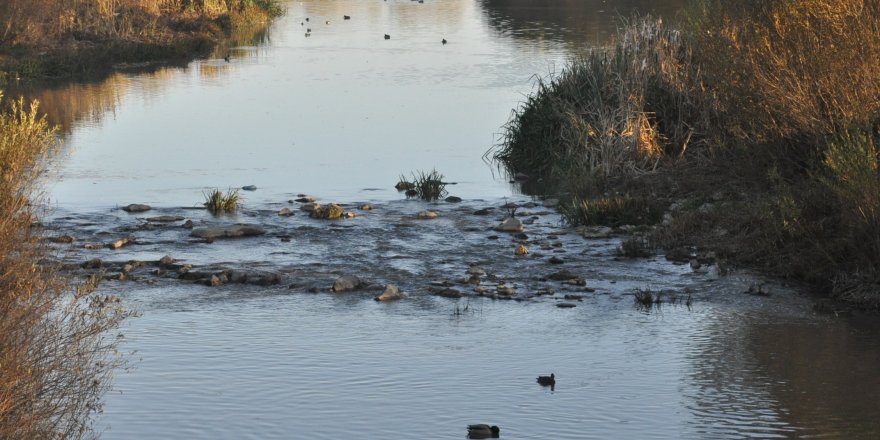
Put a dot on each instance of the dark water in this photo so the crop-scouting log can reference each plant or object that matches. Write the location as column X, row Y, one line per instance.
column 340, row 115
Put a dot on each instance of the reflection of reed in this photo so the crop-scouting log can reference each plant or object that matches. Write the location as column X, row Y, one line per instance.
column 70, row 102
column 570, row 21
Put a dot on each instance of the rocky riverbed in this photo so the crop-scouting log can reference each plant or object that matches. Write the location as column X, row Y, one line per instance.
column 501, row 249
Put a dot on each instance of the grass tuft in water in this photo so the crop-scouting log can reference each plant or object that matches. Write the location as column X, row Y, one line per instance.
column 426, row 186
column 218, row 202
column 613, row 211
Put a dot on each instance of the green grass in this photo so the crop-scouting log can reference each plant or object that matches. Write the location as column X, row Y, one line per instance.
column 424, row 185
column 612, row 211
column 219, row 202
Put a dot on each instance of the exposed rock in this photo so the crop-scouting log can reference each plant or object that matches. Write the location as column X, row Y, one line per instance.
column 136, row 207
column 305, row 199
column 473, row 279
column 510, row 224
column 62, row 239
column 330, row 212
column 214, row 281
column 484, row 211
column 476, row 270
column 550, row 203
column 166, row 260
column 165, row 219
column 349, row 214
column 188, row 224
column 493, row 237
column 310, row 206
column 346, row 283
column 285, row 212
column 94, row 263
column 453, row 199
column 566, row 305
column 521, row 250
column 93, row 246
column 404, row 186
column 695, row 264
column 556, row 260
column 447, row 293
column 595, row 231
column 249, row 187
column 563, row 275
column 521, row 236
column 233, row 231
column 426, row 215
column 365, row 207
column 574, row 297
column 127, row 268
column 506, row 291
column 119, row 243
column 680, row 254
column 391, row 293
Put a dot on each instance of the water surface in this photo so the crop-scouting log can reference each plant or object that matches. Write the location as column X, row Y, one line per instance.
column 339, row 115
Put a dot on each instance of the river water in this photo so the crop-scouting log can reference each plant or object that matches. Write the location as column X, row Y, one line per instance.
column 339, row 115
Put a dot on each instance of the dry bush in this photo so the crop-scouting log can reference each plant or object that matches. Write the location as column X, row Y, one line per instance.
column 613, row 111
column 57, row 349
column 791, row 70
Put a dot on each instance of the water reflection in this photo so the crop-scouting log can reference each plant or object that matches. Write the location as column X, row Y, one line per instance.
column 575, row 23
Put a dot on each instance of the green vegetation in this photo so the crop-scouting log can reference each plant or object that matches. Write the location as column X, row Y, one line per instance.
column 57, row 350
column 68, row 37
column 218, row 202
column 426, row 186
column 758, row 121
column 612, row 211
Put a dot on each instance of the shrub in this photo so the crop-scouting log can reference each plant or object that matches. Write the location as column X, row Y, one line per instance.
column 57, row 352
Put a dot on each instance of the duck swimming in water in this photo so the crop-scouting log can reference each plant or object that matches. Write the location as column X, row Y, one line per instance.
column 547, row 380
column 483, row 431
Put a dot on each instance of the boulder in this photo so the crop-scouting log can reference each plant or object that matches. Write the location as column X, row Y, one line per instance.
column 249, row 187
column 165, row 219
column 453, row 199
column 166, row 260
column 232, row 231
column 119, row 243
column 188, row 224
column 510, row 224
column 556, row 260
column 391, row 293
column 136, row 207
column 550, row 203
column 62, row 239
column 365, row 207
column 484, row 211
column 305, row 199
column 346, row 283
column 563, row 275
column 426, row 215
column 310, row 206
column 329, row 212
column 285, row 212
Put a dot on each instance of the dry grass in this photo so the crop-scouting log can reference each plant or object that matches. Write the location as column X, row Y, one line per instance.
column 57, row 351
column 775, row 101
column 219, row 202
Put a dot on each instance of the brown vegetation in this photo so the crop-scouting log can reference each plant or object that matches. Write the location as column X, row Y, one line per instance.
column 63, row 37
column 759, row 117
column 57, row 349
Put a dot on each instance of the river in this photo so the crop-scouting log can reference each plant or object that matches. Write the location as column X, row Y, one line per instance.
column 340, row 115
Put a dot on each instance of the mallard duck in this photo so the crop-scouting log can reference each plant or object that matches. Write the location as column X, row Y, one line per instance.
column 547, row 380
column 483, row 431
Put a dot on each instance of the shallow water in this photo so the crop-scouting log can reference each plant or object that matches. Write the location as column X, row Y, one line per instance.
column 339, row 115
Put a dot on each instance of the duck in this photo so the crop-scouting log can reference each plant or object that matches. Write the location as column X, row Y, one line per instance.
column 547, row 380
column 226, row 58
column 387, row 37
column 346, row 17
column 443, row 41
column 483, row 431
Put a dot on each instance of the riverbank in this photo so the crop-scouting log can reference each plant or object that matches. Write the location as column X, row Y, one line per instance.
column 57, row 39
column 721, row 133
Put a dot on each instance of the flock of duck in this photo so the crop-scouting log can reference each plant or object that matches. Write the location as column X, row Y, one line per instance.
column 345, row 17
column 483, row 430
